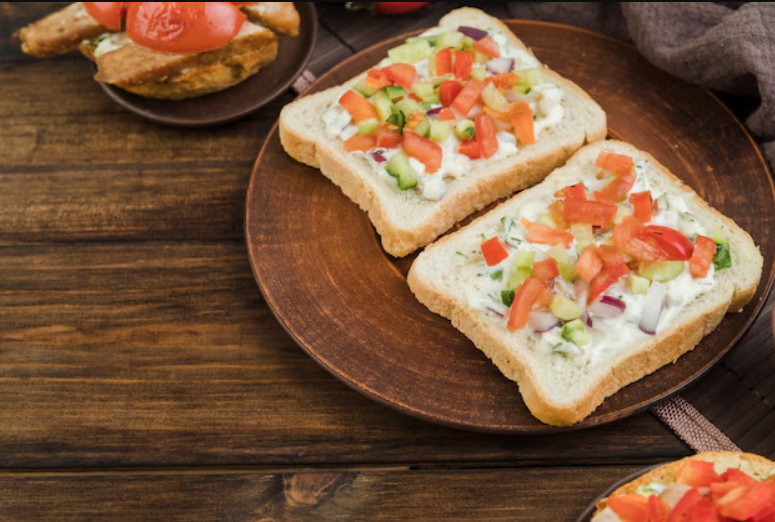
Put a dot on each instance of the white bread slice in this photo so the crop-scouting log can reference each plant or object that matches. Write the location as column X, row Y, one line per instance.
column 556, row 389
column 405, row 220
column 755, row 466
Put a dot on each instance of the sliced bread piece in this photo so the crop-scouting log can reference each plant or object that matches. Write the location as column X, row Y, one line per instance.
column 561, row 380
column 406, row 219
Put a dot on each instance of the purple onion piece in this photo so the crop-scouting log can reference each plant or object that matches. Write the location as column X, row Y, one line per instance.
column 434, row 112
column 542, row 321
column 588, row 320
column 496, row 312
column 652, row 308
column 500, row 65
column 473, row 32
column 605, row 310
column 613, row 301
column 378, row 157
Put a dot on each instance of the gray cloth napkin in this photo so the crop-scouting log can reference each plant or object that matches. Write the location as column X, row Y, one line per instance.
column 727, row 47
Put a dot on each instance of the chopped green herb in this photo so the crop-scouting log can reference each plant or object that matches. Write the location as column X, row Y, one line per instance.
column 513, row 241
column 461, row 254
column 497, row 276
column 398, row 119
column 722, row 258
column 483, row 236
column 527, row 91
column 507, row 297
column 98, row 40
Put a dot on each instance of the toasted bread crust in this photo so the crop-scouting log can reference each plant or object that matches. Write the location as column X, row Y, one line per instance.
column 59, row 32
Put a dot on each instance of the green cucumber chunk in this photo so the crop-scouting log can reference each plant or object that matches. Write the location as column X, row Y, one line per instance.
column 528, row 78
column 565, row 309
column 468, row 43
column 564, row 262
column 522, row 268
column 411, row 52
column 367, row 127
column 363, row 88
column 383, row 105
column 408, row 106
column 638, row 285
column 452, row 39
column 584, row 236
column 399, row 168
column 465, row 130
column 575, row 332
column 430, row 39
column 440, row 131
column 394, row 92
column 423, row 128
column 479, row 73
column 661, row 271
column 480, row 57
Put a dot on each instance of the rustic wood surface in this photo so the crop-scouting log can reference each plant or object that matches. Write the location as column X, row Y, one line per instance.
column 144, row 377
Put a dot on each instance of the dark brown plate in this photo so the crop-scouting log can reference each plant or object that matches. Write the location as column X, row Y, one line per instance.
column 238, row 101
column 586, row 516
column 321, row 269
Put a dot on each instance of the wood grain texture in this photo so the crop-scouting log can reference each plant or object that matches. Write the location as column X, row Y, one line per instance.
column 157, row 354
column 530, row 495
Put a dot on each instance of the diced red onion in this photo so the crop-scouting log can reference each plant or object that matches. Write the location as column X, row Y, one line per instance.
column 434, row 112
column 378, row 157
column 496, row 312
column 542, row 321
column 500, row 65
column 588, row 320
column 473, row 32
column 652, row 308
column 614, row 301
column 606, row 310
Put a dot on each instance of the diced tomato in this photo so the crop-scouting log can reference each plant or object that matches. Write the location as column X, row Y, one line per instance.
column 538, row 233
column 697, row 474
column 108, row 14
column 521, row 118
column 674, row 245
column 494, row 251
column 485, row 135
column 388, row 136
column 589, row 264
column 693, row 508
column 546, row 270
column 625, row 231
column 423, row 150
column 600, row 284
column 488, row 46
column 468, row 97
column 469, row 148
column 630, row 508
column 544, row 297
column 747, row 501
column 448, row 91
column 503, row 81
column 613, row 261
column 658, row 509
column 702, row 257
column 644, row 209
column 616, row 189
column 577, row 192
column 464, row 65
column 446, row 114
column 595, row 213
column 617, row 163
column 358, row 142
column 557, row 211
column 401, row 74
column 719, row 489
column 444, row 62
column 643, row 251
column 528, row 294
column 377, row 79
column 358, row 107
column 496, row 115
column 733, row 475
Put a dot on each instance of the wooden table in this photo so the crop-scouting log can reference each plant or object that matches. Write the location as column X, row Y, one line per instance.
column 143, row 377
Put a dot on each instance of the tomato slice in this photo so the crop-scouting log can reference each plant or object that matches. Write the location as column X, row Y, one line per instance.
column 557, row 212
column 183, row 27
column 693, row 508
column 740, row 477
column 538, row 233
column 697, row 474
column 108, row 14
column 401, row 74
column 377, row 79
column 448, row 91
column 616, row 189
column 630, row 508
column 423, row 150
column 488, row 46
column 468, row 96
column 358, row 142
column 546, row 270
column 444, row 62
column 521, row 118
column 619, row 164
column 388, row 136
column 503, row 81
column 589, row 264
column 446, row 114
column 494, row 251
column 595, row 213
column 674, row 245
column 746, row 502
column 644, row 208
column 464, row 65
column 485, row 135
column 531, row 292
column 577, row 192
column 613, row 261
column 469, row 148
column 702, row 257
column 658, row 509
column 359, row 108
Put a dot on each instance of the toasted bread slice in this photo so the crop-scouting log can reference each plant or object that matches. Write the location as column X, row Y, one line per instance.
column 280, row 17
column 59, row 32
column 406, row 220
column 559, row 389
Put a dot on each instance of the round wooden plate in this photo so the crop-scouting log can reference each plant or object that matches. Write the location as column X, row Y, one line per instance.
column 235, row 102
column 586, row 516
column 319, row 263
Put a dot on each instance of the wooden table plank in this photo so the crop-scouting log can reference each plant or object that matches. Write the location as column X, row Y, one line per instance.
column 165, row 354
column 527, row 494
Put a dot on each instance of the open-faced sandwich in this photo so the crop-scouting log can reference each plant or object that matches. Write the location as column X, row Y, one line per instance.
column 167, row 50
column 448, row 122
column 598, row 276
column 708, row 487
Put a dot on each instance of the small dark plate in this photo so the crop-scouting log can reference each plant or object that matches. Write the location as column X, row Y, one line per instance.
column 586, row 516
column 240, row 100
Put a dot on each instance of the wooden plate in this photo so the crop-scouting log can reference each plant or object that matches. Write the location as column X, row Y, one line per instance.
column 586, row 516
column 238, row 101
column 321, row 269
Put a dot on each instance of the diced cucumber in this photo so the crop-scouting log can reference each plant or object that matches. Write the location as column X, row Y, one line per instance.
column 399, row 168
column 408, row 106
column 367, row 127
column 480, row 57
column 465, row 130
column 528, row 78
column 525, row 259
column 430, row 39
column 718, row 235
column 493, row 98
column 424, row 90
column 468, row 43
column 451, row 39
column 547, row 219
column 564, row 262
column 522, row 268
column 383, row 105
column 518, row 276
column 438, row 80
column 439, row 131
column 363, row 88
column 584, row 236
column 661, row 271
column 411, row 52
column 479, row 73
column 394, row 92
column 576, row 333
column 638, row 285
column 423, row 128
column 564, row 308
